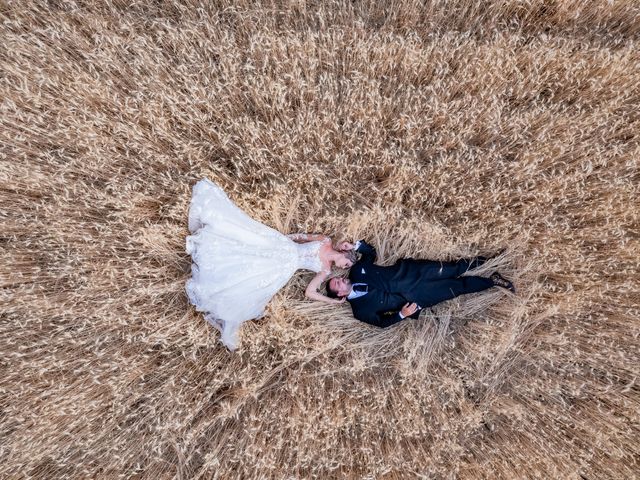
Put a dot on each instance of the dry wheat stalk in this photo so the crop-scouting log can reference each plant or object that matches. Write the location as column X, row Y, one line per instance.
column 441, row 130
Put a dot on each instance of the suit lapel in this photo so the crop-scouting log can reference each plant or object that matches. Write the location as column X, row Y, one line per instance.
column 359, row 273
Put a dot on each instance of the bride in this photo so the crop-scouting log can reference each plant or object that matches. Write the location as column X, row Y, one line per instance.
column 238, row 264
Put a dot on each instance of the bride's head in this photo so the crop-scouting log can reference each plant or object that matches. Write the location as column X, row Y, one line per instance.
column 344, row 259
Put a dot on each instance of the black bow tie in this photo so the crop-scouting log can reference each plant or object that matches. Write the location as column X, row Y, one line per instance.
column 361, row 288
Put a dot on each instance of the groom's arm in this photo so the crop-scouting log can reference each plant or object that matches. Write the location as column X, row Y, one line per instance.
column 367, row 251
column 381, row 319
column 388, row 318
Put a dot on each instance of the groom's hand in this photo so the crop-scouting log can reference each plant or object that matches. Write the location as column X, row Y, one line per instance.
column 409, row 309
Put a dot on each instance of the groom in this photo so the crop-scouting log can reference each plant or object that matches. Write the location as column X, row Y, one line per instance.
column 383, row 296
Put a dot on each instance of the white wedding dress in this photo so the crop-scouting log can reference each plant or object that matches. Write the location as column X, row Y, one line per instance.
column 238, row 264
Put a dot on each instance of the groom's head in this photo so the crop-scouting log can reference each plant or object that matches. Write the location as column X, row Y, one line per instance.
column 338, row 287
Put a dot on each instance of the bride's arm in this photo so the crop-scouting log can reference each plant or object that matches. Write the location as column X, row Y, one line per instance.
column 306, row 237
column 312, row 290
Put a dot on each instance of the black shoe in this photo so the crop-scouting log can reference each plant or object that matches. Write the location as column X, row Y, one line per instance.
column 499, row 281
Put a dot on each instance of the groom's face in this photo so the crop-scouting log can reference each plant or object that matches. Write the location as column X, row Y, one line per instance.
column 342, row 286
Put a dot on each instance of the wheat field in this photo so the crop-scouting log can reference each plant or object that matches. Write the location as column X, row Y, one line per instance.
column 437, row 129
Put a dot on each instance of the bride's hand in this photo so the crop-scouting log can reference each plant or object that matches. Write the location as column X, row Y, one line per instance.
column 341, row 301
column 345, row 246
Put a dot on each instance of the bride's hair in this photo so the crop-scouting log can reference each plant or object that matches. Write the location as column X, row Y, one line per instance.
column 350, row 254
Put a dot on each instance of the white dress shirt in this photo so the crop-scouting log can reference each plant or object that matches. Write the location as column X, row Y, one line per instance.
column 353, row 294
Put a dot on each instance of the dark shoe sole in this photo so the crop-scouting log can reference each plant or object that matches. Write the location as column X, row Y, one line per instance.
column 509, row 285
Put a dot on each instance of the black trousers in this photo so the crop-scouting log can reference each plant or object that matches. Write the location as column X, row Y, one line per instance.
column 443, row 281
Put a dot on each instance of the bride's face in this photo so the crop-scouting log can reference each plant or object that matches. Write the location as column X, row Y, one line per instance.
column 344, row 261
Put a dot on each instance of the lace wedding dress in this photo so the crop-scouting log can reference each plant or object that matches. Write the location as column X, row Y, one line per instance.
column 238, row 264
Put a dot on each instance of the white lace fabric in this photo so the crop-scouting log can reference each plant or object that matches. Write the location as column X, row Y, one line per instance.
column 309, row 255
column 238, row 264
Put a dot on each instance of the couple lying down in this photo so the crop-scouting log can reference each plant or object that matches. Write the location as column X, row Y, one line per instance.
column 238, row 264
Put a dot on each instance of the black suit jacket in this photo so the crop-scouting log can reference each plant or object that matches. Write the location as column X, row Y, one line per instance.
column 389, row 288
